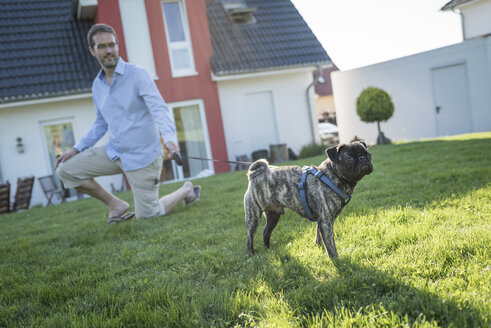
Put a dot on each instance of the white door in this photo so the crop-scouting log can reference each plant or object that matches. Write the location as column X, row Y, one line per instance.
column 261, row 120
column 451, row 100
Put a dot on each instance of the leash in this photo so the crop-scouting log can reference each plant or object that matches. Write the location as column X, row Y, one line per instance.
column 320, row 175
column 177, row 158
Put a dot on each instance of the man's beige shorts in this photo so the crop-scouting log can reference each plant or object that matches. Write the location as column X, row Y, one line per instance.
column 94, row 162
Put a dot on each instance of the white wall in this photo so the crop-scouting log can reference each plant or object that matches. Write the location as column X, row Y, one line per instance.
column 26, row 121
column 293, row 123
column 476, row 18
column 137, row 34
column 408, row 81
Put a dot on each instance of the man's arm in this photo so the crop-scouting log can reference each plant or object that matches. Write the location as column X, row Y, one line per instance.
column 96, row 132
column 98, row 129
column 159, row 111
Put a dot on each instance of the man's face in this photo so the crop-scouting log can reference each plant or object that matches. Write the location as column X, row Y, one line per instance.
column 105, row 49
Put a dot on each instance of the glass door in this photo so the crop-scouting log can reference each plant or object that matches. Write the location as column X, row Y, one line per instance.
column 192, row 134
column 58, row 138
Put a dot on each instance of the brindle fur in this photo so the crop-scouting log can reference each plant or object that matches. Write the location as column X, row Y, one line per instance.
column 271, row 189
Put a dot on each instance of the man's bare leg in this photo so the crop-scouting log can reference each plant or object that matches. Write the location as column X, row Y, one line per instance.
column 116, row 206
column 170, row 201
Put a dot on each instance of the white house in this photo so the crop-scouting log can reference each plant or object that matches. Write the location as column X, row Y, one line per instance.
column 237, row 76
column 263, row 57
column 441, row 92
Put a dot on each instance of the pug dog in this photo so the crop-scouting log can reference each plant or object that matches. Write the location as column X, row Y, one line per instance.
column 271, row 189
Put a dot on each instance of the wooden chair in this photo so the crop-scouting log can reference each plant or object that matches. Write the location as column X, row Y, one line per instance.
column 243, row 165
column 4, row 197
column 23, row 193
column 50, row 188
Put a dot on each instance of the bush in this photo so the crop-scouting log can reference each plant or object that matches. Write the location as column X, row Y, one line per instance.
column 312, row 150
column 375, row 105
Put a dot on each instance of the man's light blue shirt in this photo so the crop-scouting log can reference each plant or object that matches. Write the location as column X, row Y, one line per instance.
column 134, row 112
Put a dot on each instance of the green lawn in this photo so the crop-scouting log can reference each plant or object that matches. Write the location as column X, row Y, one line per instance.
column 414, row 250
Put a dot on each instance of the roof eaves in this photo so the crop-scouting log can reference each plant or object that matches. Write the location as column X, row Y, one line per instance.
column 455, row 4
column 45, row 95
column 268, row 69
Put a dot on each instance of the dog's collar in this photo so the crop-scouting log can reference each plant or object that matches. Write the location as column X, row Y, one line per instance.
column 320, row 175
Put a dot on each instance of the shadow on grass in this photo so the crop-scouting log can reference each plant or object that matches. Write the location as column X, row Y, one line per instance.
column 363, row 290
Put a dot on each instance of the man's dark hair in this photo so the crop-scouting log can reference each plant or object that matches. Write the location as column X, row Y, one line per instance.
column 99, row 28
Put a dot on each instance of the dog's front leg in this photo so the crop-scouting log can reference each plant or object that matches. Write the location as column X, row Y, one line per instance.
column 327, row 234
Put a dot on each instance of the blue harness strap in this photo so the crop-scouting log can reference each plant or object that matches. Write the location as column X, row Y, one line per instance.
column 320, row 175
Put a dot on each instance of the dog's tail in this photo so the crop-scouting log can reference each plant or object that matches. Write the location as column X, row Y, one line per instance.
column 257, row 168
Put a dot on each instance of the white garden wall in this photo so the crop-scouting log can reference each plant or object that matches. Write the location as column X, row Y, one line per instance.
column 410, row 82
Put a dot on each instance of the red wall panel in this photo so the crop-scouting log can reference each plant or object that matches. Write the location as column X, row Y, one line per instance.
column 183, row 88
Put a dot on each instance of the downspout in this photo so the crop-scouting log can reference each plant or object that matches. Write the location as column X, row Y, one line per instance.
column 319, row 79
column 461, row 22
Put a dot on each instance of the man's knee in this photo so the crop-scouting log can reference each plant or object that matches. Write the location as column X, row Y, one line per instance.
column 68, row 178
column 61, row 172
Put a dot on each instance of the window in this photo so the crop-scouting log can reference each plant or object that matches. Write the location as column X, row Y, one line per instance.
column 178, row 38
column 192, row 134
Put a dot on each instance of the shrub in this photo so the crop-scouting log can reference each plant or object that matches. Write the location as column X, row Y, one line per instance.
column 311, row 150
column 375, row 105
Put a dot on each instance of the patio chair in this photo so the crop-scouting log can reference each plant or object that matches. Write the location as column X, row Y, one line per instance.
column 4, row 197
column 243, row 165
column 50, row 188
column 23, row 193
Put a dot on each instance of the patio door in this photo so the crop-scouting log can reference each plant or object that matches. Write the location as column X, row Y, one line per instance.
column 192, row 134
column 58, row 137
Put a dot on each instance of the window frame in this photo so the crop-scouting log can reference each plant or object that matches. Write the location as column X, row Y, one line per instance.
column 187, row 44
column 178, row 171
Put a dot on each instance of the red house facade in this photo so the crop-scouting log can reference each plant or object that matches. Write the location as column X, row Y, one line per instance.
column 197, row 87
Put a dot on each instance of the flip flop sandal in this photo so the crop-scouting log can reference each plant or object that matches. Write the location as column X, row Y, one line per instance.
column 197, row 193
column 124, row 217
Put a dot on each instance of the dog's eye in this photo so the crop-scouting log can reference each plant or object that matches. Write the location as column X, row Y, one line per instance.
column 349, row 158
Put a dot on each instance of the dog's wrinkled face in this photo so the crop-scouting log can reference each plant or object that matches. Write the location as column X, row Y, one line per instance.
column 352, row 161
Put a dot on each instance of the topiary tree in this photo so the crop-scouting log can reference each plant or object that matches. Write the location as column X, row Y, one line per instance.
column 375, row 105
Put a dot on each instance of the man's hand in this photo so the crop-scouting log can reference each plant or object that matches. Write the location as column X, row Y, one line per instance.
column 172, row 148
column 65, row 156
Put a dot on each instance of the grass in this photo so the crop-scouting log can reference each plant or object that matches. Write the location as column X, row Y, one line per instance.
column 413, row 249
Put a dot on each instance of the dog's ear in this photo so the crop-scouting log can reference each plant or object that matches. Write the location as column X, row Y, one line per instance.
column 333, row 153
column 363, row 143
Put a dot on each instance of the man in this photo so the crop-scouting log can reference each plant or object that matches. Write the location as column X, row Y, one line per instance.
column 129, row 107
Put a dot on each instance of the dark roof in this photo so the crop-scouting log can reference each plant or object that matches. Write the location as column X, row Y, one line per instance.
column 454, row 3
column 324, row 89
column 278, row 37
column 44, row 50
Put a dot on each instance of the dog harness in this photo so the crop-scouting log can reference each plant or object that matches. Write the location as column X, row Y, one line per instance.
column 320, row 175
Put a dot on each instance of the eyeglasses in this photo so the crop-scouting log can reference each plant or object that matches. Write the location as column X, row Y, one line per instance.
column 103, row 46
